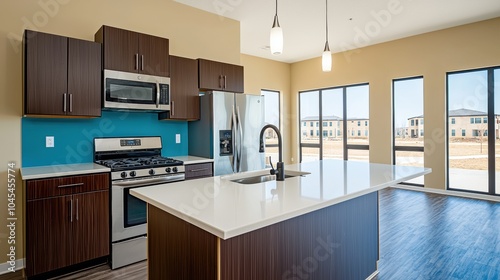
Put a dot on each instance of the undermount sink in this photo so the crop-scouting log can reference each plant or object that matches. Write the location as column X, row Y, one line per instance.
column 255, row 179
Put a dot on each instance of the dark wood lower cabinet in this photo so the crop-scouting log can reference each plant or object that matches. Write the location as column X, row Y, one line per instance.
column 337, row 242
column 64, row 230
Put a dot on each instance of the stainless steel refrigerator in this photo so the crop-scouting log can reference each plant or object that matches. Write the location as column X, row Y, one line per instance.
column 228, row 131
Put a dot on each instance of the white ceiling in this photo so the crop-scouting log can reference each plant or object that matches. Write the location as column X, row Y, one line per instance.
column 352, row 23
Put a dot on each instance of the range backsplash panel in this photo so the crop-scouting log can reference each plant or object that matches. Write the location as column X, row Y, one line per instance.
column 73, row 141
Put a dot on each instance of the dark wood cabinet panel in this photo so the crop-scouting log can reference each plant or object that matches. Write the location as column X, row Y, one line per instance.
column 134, row 52
column 91, row 226
column 233, row 78
column 44, row 188
column 199, row 170
column 184, row 96
column 62, row 76
column 45, row 72
column 84, row 78
column 210, row 75
column 47, row 232
column 120, row 48
column 67, row 221
column 215, row 75
column 153, row 53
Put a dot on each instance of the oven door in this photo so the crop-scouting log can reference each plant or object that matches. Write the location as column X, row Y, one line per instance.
column 124, row 90
column 128, row 214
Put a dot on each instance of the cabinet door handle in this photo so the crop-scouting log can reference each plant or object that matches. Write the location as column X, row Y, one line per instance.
column 172, row 108
column 70, row 102
column 142, row 62
column 220, row 78
column 136, row 61
column 65, row 96
column 225, row 81
column 198, row 170
column 71, row 210
column 70, row 185
column 77, row 209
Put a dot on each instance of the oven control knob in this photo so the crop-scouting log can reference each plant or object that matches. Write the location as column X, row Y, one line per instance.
column 151, row 172
column 167, row 169
column 123, row 174
column 174, row 169
column 132, row 173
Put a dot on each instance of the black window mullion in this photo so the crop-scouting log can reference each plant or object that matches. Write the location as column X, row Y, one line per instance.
column 491, row 131
column 320, row 101
column 344, row 123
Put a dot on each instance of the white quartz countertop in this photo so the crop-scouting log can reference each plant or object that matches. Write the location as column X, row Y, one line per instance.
column 41, row 172
column 227, row 209
column 193, row 160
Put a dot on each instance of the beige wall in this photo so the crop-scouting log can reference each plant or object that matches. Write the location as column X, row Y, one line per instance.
column 430, row 55
column 271, row 75
column 192, row 33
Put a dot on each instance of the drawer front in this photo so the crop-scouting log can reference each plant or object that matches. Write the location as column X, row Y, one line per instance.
column 44, row 188
column 199, row 170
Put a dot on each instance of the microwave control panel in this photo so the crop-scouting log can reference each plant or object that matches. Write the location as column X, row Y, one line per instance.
column 164, row 94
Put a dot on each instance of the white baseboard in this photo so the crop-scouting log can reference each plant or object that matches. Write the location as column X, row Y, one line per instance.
column 4, row 267
column 448, row 192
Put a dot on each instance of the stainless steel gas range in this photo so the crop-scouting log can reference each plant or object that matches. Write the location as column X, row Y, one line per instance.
column 135, row 162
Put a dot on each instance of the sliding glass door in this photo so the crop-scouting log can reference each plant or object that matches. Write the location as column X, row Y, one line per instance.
column 309, row 126
column 473, row 135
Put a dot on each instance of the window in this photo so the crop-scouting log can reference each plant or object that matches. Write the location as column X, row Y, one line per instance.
column 312, row 133
column 463, row 132
column 476, row 132
column 478, row 120
column 366, row 123
column 485, row 120
column 485, row 133
column 317, row 124
column 471, row 120
column 271, row 101
column 366, row 132
column 421, row 133
column 312, row 124
column 332, row 106
column 452, row 132
column 408, row 112
column 359, row 132
column 304, row 123
column 452, row 120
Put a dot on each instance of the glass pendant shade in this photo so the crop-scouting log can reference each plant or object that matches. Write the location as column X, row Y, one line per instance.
column 326, row 60
column 276, row 38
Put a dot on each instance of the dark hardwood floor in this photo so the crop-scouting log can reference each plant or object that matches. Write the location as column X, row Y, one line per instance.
column 422, row 236
column 429, row 236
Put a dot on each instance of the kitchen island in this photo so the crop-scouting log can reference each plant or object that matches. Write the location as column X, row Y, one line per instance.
column 323, row 225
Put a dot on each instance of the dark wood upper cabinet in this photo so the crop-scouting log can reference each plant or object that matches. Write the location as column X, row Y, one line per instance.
column 62, row 76
column 134, row 52
column 184, row 95
column 67, row 221
column 215, row 75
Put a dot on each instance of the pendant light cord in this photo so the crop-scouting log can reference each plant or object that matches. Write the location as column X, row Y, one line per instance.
column 326, row 13
column 276, row 14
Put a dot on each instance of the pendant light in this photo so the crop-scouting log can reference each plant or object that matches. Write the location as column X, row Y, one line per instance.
column 276, row 38
column 326, row 60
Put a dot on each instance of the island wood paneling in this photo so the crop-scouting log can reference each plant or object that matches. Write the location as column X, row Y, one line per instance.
column 337, row 242
column 179, row 250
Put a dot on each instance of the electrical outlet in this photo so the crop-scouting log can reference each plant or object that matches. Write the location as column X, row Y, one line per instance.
column 49, row 141
column 177, row 138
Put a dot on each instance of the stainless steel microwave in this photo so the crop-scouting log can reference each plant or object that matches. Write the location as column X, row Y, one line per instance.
column 132, row 91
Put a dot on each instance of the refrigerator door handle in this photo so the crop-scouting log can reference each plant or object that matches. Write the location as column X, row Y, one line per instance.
column 234, row 128
column 240, row 142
